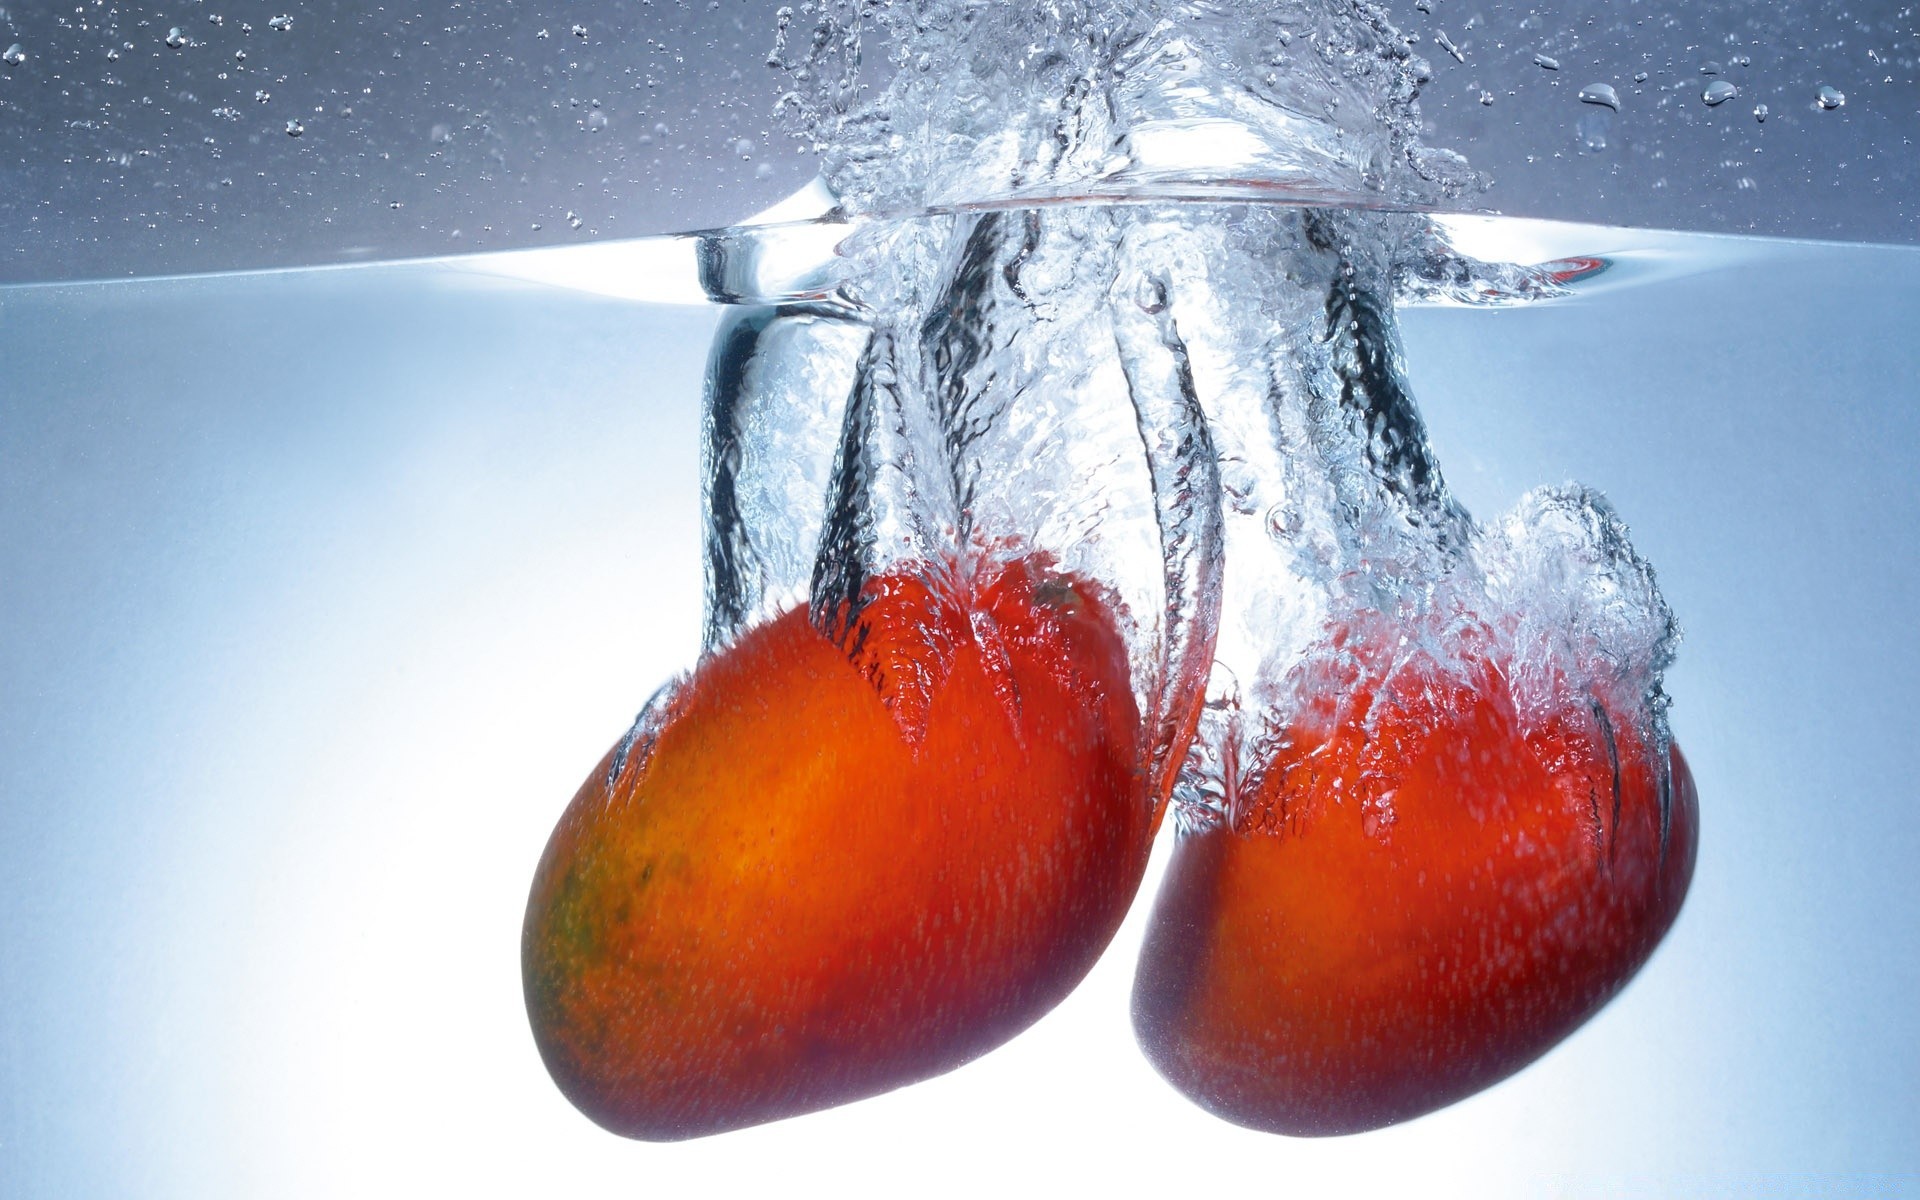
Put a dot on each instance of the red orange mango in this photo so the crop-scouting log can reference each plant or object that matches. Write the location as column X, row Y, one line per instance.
column 843, row 864
column 1422, row 894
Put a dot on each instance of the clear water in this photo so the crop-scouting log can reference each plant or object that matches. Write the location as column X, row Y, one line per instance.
column 318, row 589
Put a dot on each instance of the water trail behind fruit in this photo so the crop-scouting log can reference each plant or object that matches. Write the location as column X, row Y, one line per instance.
column 1022, row 346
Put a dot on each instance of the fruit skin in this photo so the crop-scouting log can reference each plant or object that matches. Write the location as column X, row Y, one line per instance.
column 1327, row 963
column 799, row 897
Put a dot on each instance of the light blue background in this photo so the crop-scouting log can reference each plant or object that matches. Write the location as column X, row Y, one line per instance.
column 320, row 592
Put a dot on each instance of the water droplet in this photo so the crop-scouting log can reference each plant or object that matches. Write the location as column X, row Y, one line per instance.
column 1760, row 113
column 295, row 129
column 1600, row 93
column 175, row 38
column 1639, row 76
column 1830, row 97
column 1542, row 60
column 281, row 23
column 579, row 31
column 1719, row 92
column 1486, row 98
column 1712, row 68
column 239, row 56
column 573, row 219
column 1446, row 43
column 262, row 96
column 542, row 35
column 14, row 55
column 113, row 54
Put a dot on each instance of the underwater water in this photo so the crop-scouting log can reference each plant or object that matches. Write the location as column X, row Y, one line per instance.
column 318, row 590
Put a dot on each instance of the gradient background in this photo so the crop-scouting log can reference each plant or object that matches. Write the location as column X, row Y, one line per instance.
column 321, row 591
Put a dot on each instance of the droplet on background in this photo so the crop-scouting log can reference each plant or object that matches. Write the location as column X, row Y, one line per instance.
column 1830, row 97
column 1601, row 93
column 14, row 55
column 1719, row 92
column 1550, row 63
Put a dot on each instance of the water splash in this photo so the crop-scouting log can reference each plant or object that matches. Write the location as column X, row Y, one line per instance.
column 1032, row 339
column 944, row 102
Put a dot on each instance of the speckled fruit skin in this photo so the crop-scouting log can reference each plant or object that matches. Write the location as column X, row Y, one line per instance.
column 1317, row 966
column 792, row 901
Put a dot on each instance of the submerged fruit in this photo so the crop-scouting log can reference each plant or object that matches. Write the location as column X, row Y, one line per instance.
column 840, row 868
column 1421, row 894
